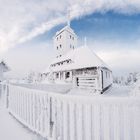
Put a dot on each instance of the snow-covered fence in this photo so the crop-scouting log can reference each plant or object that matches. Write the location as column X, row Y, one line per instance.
column 4, row 93
column 71, row 117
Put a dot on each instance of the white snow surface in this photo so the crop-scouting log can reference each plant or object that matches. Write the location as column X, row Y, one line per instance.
column 11, row 129
column 81, row 57
column 114, row 91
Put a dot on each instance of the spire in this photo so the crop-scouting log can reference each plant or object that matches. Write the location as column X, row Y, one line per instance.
column 68, row 17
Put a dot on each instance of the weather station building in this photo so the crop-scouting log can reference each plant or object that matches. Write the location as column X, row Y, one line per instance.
column 78, row 66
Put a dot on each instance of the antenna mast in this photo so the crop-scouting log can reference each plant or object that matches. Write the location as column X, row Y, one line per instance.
column 68, row 17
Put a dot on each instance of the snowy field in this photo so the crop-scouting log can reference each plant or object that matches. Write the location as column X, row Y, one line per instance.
column 115, row 90
column 59, row 88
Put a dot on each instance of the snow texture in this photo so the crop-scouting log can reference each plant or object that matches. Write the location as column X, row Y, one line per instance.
column 81, row 58
column 73, row 117
column 11, row 129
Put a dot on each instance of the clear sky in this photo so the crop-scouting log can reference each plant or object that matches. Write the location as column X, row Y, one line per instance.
column 112, row 29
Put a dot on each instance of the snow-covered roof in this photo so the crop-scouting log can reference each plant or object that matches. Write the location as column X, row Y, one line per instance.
column 79, row 58
column 66, row 28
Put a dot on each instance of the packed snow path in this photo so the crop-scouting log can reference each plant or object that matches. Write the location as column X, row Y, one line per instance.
column 11, row 129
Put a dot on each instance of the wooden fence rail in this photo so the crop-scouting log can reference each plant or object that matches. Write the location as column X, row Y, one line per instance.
column 71, row 117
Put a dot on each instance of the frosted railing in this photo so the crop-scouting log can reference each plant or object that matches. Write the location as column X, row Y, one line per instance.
column 71, row 117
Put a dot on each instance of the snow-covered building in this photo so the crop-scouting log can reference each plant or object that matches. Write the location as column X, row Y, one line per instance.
column 3, row 68
column 77, row 65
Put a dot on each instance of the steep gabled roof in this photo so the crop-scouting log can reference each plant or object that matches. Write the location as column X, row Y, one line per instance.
column 81, row 57
column 66, row 28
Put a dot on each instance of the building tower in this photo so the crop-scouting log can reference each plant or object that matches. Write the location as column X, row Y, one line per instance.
column 65, row 40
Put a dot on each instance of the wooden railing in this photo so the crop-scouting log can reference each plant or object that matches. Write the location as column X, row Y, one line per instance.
column 71, row 117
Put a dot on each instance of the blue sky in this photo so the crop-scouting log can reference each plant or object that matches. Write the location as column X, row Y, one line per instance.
column 103, row 26
column 113, row 35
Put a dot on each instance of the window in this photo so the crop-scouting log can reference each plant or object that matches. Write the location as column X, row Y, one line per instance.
column 57, row 38
column 73, row 38
column 67, row 75
column 70, row 36
column 57, row 75
column 106, row 74
column 60, row 36
column 57, row 47
column 60, row 46
column 73, row 47
column 109, row 74
column 70, row 46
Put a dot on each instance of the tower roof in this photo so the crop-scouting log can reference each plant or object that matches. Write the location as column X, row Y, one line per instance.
column 66, row 28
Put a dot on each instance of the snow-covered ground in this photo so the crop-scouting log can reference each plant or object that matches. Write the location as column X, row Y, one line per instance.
column 11, row 129
column 49, row 87
column 114, row 91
